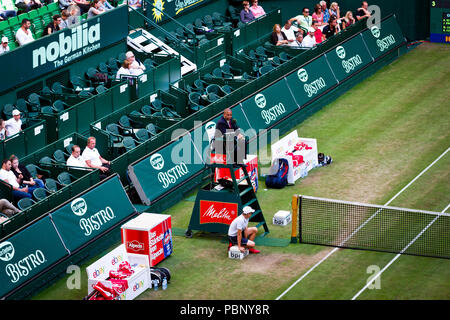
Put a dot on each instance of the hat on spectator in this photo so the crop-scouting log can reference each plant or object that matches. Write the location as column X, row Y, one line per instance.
column 4, row 39
column 15, row 112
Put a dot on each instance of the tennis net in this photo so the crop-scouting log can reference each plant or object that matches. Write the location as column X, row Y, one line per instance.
column 380, row 228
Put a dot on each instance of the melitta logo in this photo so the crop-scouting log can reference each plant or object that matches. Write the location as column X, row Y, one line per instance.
column 23, row 267
column 135, row 245
column 81, row 41
column 260, row 100
column 79, row 206
column 172, row 175
column 157, row 161
column 217, row 212
column 6, row 251
column 375, row 31
column 302, row 75
column 340, row 51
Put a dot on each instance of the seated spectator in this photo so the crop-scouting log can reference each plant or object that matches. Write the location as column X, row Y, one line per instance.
column 7, row 208
column 27, row 5
column 4, row 46
column 136, row 67
column 309, row 40
column 74, row 16
column 8, row 176
column 94, row 159
column 83, row 5
column 76, row 159
column 326, row 12
column 136, row 4
column 23, row 34
column 335, row 11
column 278, row 37
column 348, row 20
column 3, row 132
column 298, row 43
column 331, row 29
column 257, row 10
column 95, row 9
column 124, row 70
column 13, row 125
column 317, row 32
column 246, row 14
column 23, row 176
column 304, row 20
column 363, row 12
column 290, row 31
column 318, row 15
column 64, row 4
column 53, row 26
column 64, row 16
column 5, row 14
column 105, row 5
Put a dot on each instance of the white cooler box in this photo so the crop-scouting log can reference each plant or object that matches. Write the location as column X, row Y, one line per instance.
column 282, row 218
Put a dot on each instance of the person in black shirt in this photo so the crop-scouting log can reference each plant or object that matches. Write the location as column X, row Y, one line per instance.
column 53, row 26
column 363, row 12
column 24, row 176
column 330, row 29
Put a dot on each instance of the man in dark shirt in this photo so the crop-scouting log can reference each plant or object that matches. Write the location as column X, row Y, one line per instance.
column 363, row 12
column 53, row 26
column 227, row 130
column 246, row 14
column 330, row 29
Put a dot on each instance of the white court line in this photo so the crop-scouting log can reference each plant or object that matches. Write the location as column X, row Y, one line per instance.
column 398, row 255
column 370, row 218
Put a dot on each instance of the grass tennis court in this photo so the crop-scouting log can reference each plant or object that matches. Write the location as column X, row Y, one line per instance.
column 381, row 134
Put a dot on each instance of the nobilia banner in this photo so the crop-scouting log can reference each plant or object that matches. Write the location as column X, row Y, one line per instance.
column 92, row 213
column 28, row 253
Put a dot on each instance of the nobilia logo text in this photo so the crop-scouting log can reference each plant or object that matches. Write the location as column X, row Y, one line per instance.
column 79, row 42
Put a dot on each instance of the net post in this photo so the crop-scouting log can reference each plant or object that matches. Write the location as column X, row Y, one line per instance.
column 294, row 231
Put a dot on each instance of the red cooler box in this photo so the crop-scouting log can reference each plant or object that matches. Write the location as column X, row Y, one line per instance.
column 148, row 235
column 252, row 168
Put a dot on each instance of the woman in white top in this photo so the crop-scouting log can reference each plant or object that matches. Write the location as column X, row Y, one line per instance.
column 3, row 132
column 95, row 9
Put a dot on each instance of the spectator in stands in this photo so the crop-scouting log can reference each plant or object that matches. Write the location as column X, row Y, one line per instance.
column 363, row 12
column 53, row 26
column 4, row 46
column 64, row 16
column 94, row 159
column 74, row 16
column 23, row 34
column 246, row 14
column 105, row 5
column 23, row 175
column 298, row 43
column 27, row 5
column 8, row 176
column 3, row 132
column 76, row 159
column 331, row 29
column 289, row 30
column 348, row 20
column 136, row 67
column 278, row 37
column 309, row 40
column 318, row 33
column 13, row 125
column 326, row 12
column 304, row 20
column 7, row 208
column 5, row 14
column 83, row 5
column 95, row 9
column 64, row 4
column 257, row 10
column 335, row 10
column 318, row 15
column 124, row 70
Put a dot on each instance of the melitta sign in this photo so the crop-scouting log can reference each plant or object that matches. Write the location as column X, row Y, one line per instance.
column 62, row 48
column 217, row 212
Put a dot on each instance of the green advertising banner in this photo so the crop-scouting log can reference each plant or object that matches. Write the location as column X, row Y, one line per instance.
column 380, row 39
column 29, row 252
column 92, row 213
column 157, row 10
column 269, row 106
column 61, row 48
column 165, row 169
column 349, row 57
column 311, row 80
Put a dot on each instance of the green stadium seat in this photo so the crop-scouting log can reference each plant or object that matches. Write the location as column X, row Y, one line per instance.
column 47, row 160
column 25, row 203
column 7, row 110
column 227, row 89
column 142, row 135
column 60, row 106
column 169, row 113
column 129, row 143
column 69, row 148
column 47, row 110
column 13, row 21
column 214, row 88
column 114, row 132
column 51, row 185
column 265, row 69
column 39, row 194
column 53, row 8
column 152, row 129
column 36, row 171
column 65, row 178
column 59, row 156
column 146, row 110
